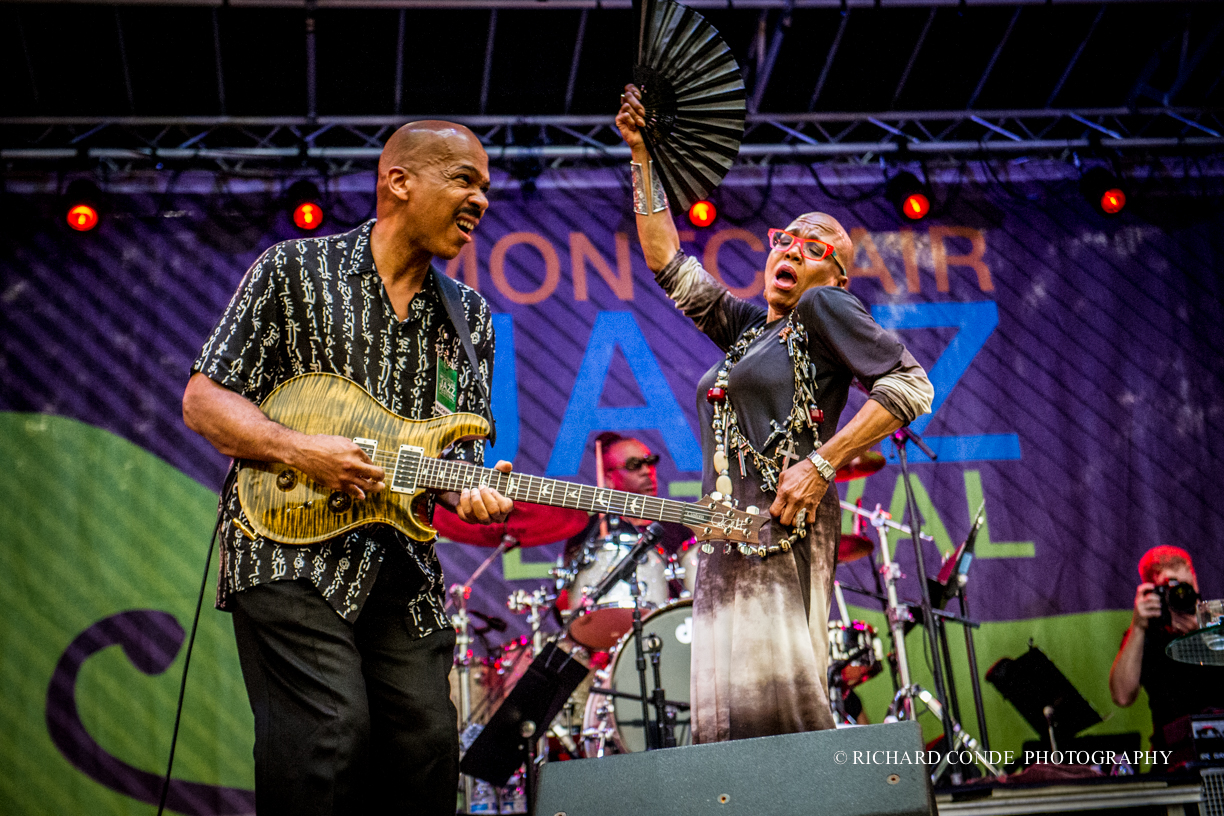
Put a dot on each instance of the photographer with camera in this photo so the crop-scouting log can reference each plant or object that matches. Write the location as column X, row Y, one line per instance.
column 1164, row 609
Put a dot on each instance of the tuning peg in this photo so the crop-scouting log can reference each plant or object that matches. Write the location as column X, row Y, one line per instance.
column 752, row 510
column 716, row 496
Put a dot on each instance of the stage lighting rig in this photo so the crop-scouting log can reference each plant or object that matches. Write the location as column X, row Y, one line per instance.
column 702, row 213
column 304, row 199
column 1103, row 190
column 911, row 197
column 84, row 205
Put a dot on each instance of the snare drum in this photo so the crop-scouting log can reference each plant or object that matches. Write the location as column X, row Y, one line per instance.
column 858, row 648
column 602, row 625
column 614, row 724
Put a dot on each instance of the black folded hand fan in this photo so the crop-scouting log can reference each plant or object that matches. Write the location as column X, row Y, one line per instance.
column 694, row 98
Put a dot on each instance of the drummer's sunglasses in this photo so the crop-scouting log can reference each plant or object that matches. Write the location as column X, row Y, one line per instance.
column 812, row 248
column 633, row 462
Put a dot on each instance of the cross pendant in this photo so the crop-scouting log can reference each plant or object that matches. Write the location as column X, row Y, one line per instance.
column 787, row 455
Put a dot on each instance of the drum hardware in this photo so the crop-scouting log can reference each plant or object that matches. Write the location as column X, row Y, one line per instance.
column 532, row 602
column 462, row 621
column 901, row 616
column 900, row 438
column 599, row 622
column 626, row 570
column 679, row 705
column 613, row 721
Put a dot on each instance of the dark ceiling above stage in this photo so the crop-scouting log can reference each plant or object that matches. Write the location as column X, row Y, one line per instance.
column 150, row 60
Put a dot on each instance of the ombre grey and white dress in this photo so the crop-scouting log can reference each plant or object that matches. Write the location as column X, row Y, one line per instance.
column 760, row 625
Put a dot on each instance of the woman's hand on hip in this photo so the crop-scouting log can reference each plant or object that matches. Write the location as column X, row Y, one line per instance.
column 800, row 487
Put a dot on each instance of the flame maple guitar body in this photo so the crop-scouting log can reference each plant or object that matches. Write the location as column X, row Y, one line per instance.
column 285, row 505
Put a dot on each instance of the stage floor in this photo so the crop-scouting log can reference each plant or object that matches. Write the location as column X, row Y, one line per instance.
column 1173, row 795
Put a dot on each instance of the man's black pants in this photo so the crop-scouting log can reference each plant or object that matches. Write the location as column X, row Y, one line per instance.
column 349, row 718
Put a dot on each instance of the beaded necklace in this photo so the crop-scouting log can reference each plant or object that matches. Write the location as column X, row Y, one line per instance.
column 728, row 436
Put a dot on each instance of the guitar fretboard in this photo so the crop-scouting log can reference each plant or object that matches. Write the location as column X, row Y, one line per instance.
column 415, row 471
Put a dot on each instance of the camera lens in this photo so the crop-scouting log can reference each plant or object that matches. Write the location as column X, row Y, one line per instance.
column 1182, row 597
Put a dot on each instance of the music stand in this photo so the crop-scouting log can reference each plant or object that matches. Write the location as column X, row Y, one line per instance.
column 507, row 741
column 1032, row 683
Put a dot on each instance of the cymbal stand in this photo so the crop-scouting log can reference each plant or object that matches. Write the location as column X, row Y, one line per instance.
column 898, row 615
column 532, row 602
column 462, row 621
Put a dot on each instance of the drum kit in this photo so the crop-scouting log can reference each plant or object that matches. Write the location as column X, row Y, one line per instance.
column 596, row 596
column 602, row 717
column 595, row 609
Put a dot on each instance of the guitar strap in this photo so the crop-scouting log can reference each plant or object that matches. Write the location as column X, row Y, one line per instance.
column 454, row 309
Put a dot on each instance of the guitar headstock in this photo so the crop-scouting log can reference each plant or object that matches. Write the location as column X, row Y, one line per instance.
column 729, row 523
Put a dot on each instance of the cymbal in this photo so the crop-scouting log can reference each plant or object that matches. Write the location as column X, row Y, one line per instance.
column 853, row 547
column 862, row 465
column 528, row 524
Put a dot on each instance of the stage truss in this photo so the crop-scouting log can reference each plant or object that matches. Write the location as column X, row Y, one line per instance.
column 342, row 144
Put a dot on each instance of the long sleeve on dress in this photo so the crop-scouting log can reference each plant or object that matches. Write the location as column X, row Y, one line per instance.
column 841, row 322
column 717, row 313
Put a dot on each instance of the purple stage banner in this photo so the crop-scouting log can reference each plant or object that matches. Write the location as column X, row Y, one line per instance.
column 1076, row 360
column 1078, row 393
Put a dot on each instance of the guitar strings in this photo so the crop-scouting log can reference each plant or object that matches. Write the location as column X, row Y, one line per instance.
column 457, row 474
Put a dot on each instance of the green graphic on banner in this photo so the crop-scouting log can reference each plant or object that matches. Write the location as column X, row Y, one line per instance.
column 103, row 546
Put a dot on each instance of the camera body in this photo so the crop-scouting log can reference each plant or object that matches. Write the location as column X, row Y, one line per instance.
column 1176, row 596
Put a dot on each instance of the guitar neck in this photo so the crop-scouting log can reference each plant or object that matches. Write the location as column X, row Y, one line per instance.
column 446, row 474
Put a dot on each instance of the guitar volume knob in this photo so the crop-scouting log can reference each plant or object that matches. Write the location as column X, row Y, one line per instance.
column 286, row 479
column 339, row 502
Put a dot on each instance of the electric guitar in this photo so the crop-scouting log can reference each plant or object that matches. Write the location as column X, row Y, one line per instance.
column 285, row 505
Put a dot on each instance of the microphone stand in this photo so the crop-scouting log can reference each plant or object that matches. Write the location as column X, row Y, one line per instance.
column 640, row 655
column 899, row 438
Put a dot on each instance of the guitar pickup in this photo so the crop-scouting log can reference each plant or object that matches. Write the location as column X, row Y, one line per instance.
column 407, row 469
column 368, row 446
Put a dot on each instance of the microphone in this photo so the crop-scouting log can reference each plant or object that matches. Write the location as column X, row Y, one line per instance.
column 492, row 621
column 945, row 586
column 649, row 538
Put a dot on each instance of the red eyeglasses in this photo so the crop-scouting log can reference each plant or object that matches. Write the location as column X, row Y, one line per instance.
column 812, row 248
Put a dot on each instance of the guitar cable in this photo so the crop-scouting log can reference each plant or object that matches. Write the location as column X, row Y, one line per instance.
column 195, row 625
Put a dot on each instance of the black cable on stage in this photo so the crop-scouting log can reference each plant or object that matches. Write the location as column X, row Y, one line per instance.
column 766, row 197
column 850, row 199
column 195, row 624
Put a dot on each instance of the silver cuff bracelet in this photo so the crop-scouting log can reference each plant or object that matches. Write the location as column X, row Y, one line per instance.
column 647, row 201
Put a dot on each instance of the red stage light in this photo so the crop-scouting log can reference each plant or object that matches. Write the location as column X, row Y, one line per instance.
column 1103, row 190
column 911, row 197
column 702, row 214
column 82, row 217
column 916, row 206
column 1112, row 201
column 308, row 215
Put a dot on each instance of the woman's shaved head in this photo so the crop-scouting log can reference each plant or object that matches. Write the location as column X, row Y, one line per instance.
column 826, row 228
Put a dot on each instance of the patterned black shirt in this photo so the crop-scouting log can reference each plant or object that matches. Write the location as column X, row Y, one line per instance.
column 318, row 304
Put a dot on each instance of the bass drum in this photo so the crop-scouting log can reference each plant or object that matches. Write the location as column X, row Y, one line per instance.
column 614, row 724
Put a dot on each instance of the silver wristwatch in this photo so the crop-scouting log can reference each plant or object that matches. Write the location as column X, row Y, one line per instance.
column 827, row 471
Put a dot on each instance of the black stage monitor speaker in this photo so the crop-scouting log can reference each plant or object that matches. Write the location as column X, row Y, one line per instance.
column 848, row 772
